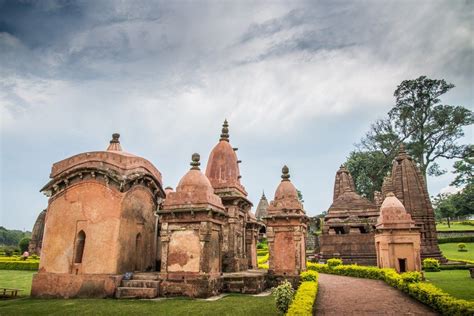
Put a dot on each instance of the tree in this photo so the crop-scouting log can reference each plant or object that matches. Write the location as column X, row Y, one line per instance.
column 300, row 196
column 430, row 130
column 368, row 170
column 460, row 204
column 23, row 244
column 464, row 169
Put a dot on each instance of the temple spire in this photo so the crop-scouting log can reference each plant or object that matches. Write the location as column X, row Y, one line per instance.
column 115, row 143
column 263, row 195
column 225, row 131
column 195, row 161
column 285, row 173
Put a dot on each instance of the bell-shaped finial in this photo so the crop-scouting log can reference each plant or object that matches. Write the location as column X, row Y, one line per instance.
column 195, row 161
column 115, row 143
column 225, row 131
column 285, row 173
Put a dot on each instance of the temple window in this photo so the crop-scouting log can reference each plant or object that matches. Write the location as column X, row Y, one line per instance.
column 339, row 230
column 80, row 242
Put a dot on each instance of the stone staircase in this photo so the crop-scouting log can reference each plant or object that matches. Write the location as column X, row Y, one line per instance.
column 142, row 285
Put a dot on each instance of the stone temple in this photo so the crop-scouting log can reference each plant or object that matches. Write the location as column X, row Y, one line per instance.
column 110, row 229
column 348, row 228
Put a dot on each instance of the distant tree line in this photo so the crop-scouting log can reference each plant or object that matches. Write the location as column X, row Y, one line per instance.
column 12, row 237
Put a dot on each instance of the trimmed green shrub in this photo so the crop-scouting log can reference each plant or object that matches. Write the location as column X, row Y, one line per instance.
column 448, row 240
column 19, row 265
column 431, row 265
column 462, row 247
column 263, row 259
column 309, row 276
column 8, row 252
column 262, row 252
column 283, row 296
column 303, row 302
column 263, row 266
column 456, row 266
column 334, row 262
column 23, row 244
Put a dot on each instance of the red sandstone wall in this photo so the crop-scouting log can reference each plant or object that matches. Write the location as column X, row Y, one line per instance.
column 92, row 207
column 284, row 252
column 137, row 218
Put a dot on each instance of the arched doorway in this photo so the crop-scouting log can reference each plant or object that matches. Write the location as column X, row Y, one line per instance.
column 80, row 243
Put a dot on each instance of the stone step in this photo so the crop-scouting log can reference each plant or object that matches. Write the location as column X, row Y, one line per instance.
column 146, row 276
column 136, row 292
column 141, row 283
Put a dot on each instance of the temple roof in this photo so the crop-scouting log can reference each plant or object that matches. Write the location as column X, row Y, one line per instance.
column 393, row 214
column 343, row 181
column 113, row 161
column 262, row 207
column 286, row 197
column 193, row 191
column 223, row 165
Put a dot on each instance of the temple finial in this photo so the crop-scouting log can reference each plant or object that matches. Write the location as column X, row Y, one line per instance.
column 225, row 131
column 195, row 161
column 263, row 195
column 115, row 143
column 285, row 173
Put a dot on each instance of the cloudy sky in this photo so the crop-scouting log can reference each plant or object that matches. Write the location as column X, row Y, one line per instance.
column 299, row 82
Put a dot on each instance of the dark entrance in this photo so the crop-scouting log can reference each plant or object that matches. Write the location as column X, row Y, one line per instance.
column 402, row 263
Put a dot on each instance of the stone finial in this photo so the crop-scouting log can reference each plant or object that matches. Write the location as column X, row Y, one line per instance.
column 402, row 153
column 285, row 173
column 195, row 161
column 263, row 195
column 115, row 143
column 225, row 131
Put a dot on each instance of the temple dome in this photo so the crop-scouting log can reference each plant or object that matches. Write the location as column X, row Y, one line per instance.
column 193, row 188
column 393, row 214
column 223, row 166
column 286, row 196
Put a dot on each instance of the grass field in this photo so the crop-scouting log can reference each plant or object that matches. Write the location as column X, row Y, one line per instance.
column 451, row 251
column 235, row 304
column 458, row 283
column 454, row 226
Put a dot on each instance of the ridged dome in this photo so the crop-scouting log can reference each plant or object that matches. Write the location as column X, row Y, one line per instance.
column 193, row 188
column 393, row 214
column 223, row 167
column 286, row 196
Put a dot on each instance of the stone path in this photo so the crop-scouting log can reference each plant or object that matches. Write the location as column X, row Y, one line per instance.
column 341, row 295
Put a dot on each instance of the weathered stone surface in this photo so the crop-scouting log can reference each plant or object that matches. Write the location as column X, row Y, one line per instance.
column 262, row 207
column 348, row 230
column 100, row 221
column 409, row 187
column 36, row 241
column 286, row 231
column 247, row 282
column 397, row 239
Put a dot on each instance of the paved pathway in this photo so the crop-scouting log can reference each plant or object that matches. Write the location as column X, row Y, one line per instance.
column 341, row 295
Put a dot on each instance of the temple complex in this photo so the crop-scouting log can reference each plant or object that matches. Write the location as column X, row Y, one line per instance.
column 348, row 228
column 36, row 241
column 397, row 239
column 408, row 185
column 224, row 174
column 286, row 232
column 99, row 224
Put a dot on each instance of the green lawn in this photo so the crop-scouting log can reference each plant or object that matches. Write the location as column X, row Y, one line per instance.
column 458, row 283
column 450, row 251
column 454, row 226
column 234, row 304
column 17, row 279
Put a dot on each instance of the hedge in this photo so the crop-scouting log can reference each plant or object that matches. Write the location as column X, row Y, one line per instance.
column 461, row 260
column 262, row 252
column 19, row 265
column 302, row 304
column 408, row 282
column 456, row 266
column 263, row 259
column 448, row 240
column 263, row 266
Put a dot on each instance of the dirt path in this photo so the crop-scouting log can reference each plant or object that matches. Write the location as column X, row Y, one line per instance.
column 340, row 295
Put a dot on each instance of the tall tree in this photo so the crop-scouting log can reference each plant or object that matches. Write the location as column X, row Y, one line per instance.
column 464, row 168
column 429, row 129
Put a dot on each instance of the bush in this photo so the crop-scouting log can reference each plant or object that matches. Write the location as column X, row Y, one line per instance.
column 455, row 239
column 283, row 296
column 303, row 302
column 23, row 244
column 456, row 266
column 431, row 265
column 262, row 252
column 462, row 247
column 263, row 259
column 8, row 252
column 263, row 266
column 19, row 265
column 471, row 223
column 309, row 276
column 334, row 262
